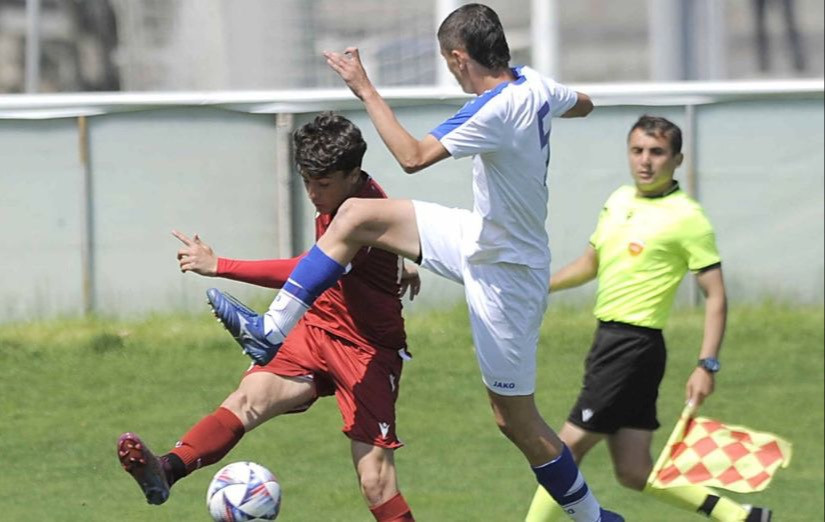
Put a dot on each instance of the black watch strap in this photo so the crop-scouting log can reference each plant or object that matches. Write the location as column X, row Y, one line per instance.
column 710, row 364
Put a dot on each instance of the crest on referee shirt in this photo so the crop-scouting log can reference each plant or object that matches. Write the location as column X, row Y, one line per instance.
column 635, row 247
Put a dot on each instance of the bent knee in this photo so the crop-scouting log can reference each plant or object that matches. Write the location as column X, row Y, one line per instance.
column 377, row 487
column 250, row 408
column 350, row 216
column 238, row 402
column 631, row 478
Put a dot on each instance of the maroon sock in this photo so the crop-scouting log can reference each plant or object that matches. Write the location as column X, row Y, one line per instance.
column 208, row 441
column 393, row 510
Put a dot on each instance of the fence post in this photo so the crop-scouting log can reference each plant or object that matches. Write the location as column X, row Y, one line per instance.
column 283, row 176
column 86, row 218
column 691, row 181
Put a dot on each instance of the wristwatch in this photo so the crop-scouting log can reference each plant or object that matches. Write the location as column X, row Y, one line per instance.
column 710, row 364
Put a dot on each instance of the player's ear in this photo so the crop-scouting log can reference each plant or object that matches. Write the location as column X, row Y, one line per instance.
column 462, row 57
column 679, row 158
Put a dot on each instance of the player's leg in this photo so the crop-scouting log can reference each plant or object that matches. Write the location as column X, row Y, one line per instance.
column 505, row 341
column 382, row 223
column 551, row 461
column 375, row 467
column 630, row 451
column 388, row 224
column 368, row 381
column 580, row 442
column 284, row 385
column 622, row 374
column 259, row 397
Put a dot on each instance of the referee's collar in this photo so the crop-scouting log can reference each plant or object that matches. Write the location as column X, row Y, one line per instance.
column 673, row 188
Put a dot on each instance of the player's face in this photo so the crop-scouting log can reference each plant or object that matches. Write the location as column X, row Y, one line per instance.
column 652, row 162
column 327, row 193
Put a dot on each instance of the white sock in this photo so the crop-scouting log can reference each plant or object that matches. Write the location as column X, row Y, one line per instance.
column 283, row 314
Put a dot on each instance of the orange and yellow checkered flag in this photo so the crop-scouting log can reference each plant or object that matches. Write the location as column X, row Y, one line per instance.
column 706, row 452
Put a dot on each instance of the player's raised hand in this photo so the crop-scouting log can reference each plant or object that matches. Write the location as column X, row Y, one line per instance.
column 410, row 280
column 349, row 68
column 195, row 255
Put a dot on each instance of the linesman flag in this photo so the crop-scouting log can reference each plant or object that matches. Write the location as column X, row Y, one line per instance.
column 706, row 452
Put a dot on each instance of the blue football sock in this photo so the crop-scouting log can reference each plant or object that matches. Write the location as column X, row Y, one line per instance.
column 313, row 275
column 562, row 479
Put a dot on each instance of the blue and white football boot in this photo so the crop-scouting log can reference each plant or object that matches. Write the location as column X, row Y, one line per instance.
column 609, row 516
column 245, row 325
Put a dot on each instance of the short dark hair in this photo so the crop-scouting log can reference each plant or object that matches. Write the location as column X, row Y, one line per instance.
column 477, row 29
column 327, row 144
column 658, row 126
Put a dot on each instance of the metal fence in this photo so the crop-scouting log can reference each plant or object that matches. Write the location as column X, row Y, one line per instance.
column 91, row 185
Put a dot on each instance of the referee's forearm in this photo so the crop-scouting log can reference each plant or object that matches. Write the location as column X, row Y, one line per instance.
column 716, row 311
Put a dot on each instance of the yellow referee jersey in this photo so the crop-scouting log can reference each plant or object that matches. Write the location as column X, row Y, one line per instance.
column 645, row 247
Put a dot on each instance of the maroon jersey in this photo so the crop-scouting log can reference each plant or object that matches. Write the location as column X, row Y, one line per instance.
column 363, row 306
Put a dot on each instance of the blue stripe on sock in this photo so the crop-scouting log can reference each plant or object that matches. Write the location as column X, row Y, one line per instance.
column 298, row 292
column 577, row 495
column 314, row 273
column 558, row 476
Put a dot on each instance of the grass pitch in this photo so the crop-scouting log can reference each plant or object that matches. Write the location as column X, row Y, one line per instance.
column 69, row 388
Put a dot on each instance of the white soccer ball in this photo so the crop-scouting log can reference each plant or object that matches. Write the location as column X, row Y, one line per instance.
column 243, row 491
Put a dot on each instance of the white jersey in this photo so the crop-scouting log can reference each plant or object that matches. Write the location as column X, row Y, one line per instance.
column 507, row 130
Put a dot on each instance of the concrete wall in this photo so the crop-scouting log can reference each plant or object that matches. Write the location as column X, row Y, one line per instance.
column 195, row 169
column 759, row 166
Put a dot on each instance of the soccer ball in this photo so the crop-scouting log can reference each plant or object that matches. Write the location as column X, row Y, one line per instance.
column 243, row 491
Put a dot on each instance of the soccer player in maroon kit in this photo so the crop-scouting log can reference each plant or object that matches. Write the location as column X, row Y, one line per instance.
column 353, row 335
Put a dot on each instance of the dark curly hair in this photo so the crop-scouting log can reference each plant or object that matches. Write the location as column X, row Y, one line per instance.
column 477, row 29
column 658, row 126
column 327, row 144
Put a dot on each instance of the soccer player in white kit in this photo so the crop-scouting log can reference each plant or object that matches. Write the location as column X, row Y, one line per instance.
column 498, row 251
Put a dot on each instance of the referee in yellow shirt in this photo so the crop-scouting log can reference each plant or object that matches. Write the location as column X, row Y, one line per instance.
column 647, row 238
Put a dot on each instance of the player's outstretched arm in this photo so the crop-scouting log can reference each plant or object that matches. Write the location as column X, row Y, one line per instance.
column 701, row 382
column 198, row 257
column 412, row 154
column 583, row 107
column 578, row 272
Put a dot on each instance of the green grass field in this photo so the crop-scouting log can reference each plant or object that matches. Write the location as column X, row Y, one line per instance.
column 69, row 388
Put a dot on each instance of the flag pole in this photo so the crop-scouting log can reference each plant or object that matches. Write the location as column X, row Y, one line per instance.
column 678, row 431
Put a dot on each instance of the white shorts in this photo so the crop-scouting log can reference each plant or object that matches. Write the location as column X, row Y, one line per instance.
column 506, row 301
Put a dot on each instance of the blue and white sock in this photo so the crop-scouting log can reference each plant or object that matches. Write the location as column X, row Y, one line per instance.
column 315, row 273
column 562, row 479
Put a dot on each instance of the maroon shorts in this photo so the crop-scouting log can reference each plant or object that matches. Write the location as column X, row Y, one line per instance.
column 364, row 380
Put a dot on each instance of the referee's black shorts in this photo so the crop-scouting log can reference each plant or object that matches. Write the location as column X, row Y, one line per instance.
column 623, row 371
